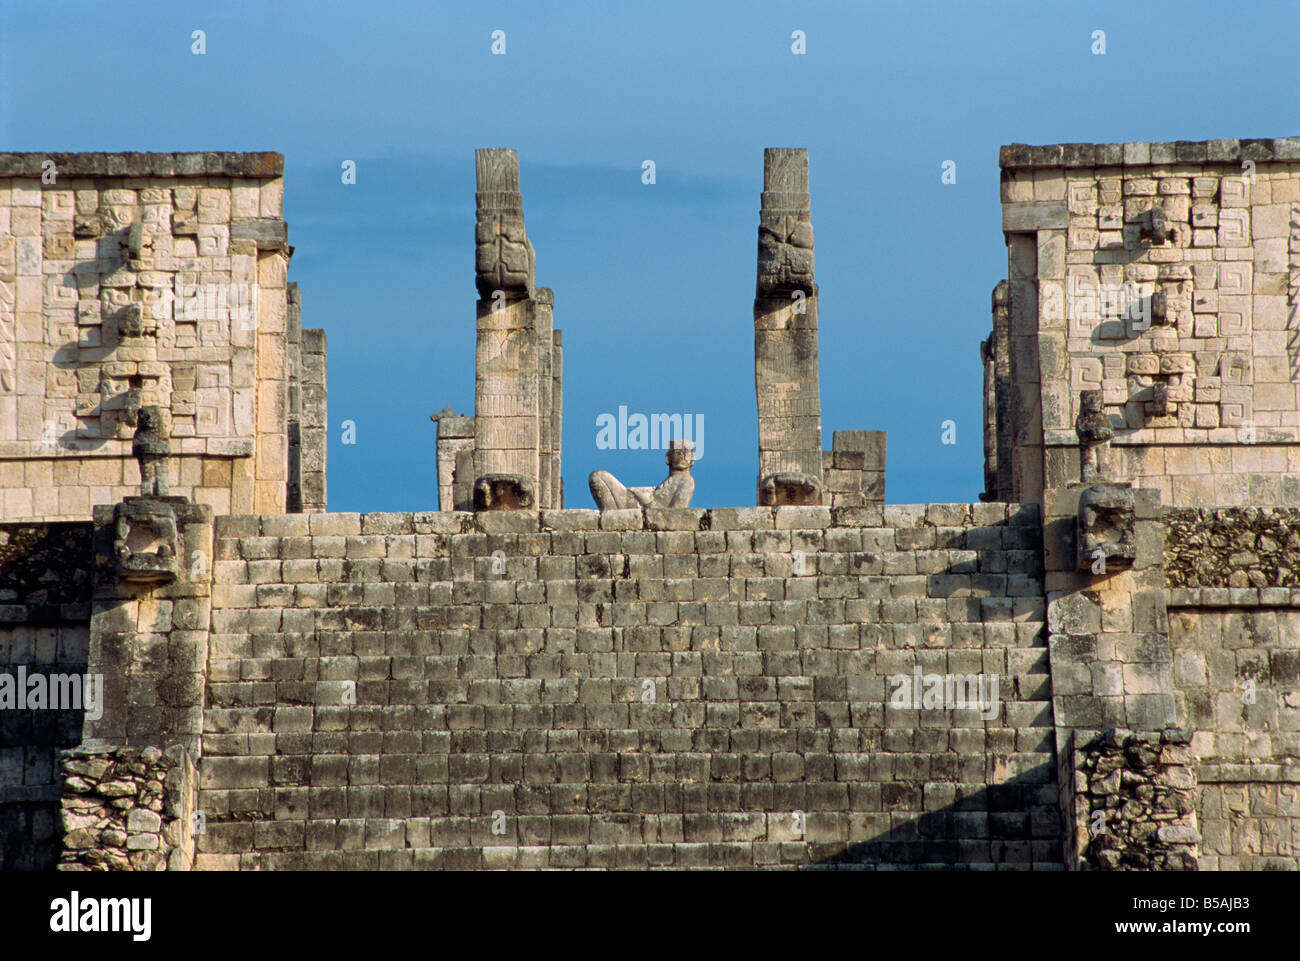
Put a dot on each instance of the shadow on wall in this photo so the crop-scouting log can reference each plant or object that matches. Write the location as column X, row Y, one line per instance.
column 44, row 631
column 1015, row 825
column 31, row 831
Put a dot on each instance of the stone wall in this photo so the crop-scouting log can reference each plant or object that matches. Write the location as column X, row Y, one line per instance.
column 853, row 470
column 1237, row 686
column 455, row 440
column 1250, row 548
column 1235, row 634
column 1166, row 276
column 150, row 640
column 128, row 810
column 680, row 688
column 45, row 588
column 851, row 684
column 1134, row 805
column 138, row 279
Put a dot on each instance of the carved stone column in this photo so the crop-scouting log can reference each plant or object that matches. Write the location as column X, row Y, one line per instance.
column 507, row 434
column 785, row 337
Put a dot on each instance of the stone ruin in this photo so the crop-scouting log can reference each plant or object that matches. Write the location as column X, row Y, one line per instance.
column 506, row 682
column 507, row 456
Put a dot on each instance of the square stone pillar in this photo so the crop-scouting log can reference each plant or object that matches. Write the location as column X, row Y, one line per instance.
column 149, row 622
column 315, row 420
column 854, row 469
column 545, row 328
column 557, row 418
column 293, row 339
column 455, row 436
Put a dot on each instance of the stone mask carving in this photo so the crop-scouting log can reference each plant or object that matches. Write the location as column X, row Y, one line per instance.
column 1106, row 527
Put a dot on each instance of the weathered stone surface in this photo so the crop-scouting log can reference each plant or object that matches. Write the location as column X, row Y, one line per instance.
column 766, row 637
column 785, row 234
column 135, row 811
column 517, row 405
column 1135, row 806
column 268, row 233
column 789, row 489
column 1233, row 547
column 663, row 686
column 503, row 492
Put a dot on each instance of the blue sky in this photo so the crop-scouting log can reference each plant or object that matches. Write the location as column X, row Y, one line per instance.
column 653, row 284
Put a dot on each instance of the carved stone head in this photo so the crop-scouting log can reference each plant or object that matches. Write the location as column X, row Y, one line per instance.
column 790, row 489
column 785, row 234
column 503, row 492
column 145, row 540
column 1106, row 527
column 681, row 455
column 150, row 432
column 151, row 420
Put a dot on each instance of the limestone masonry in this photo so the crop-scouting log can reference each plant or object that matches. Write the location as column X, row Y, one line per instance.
column 1095, row 667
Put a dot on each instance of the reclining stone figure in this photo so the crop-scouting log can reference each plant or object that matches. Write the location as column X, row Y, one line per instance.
column 675, row 491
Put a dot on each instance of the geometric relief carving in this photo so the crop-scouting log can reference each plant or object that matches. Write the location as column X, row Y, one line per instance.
column 1234, row 227
column 1235, row 278
column 110, row 281
column 1235, row 368
column 1235, row 393
column 1233, row 323
column 212, row 411
column 8, row 317
column 1081, row 197
column 1082, row 301
column 1293, row 293
column 1085, row 373
column 1232, row 192
column 1234, row 406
